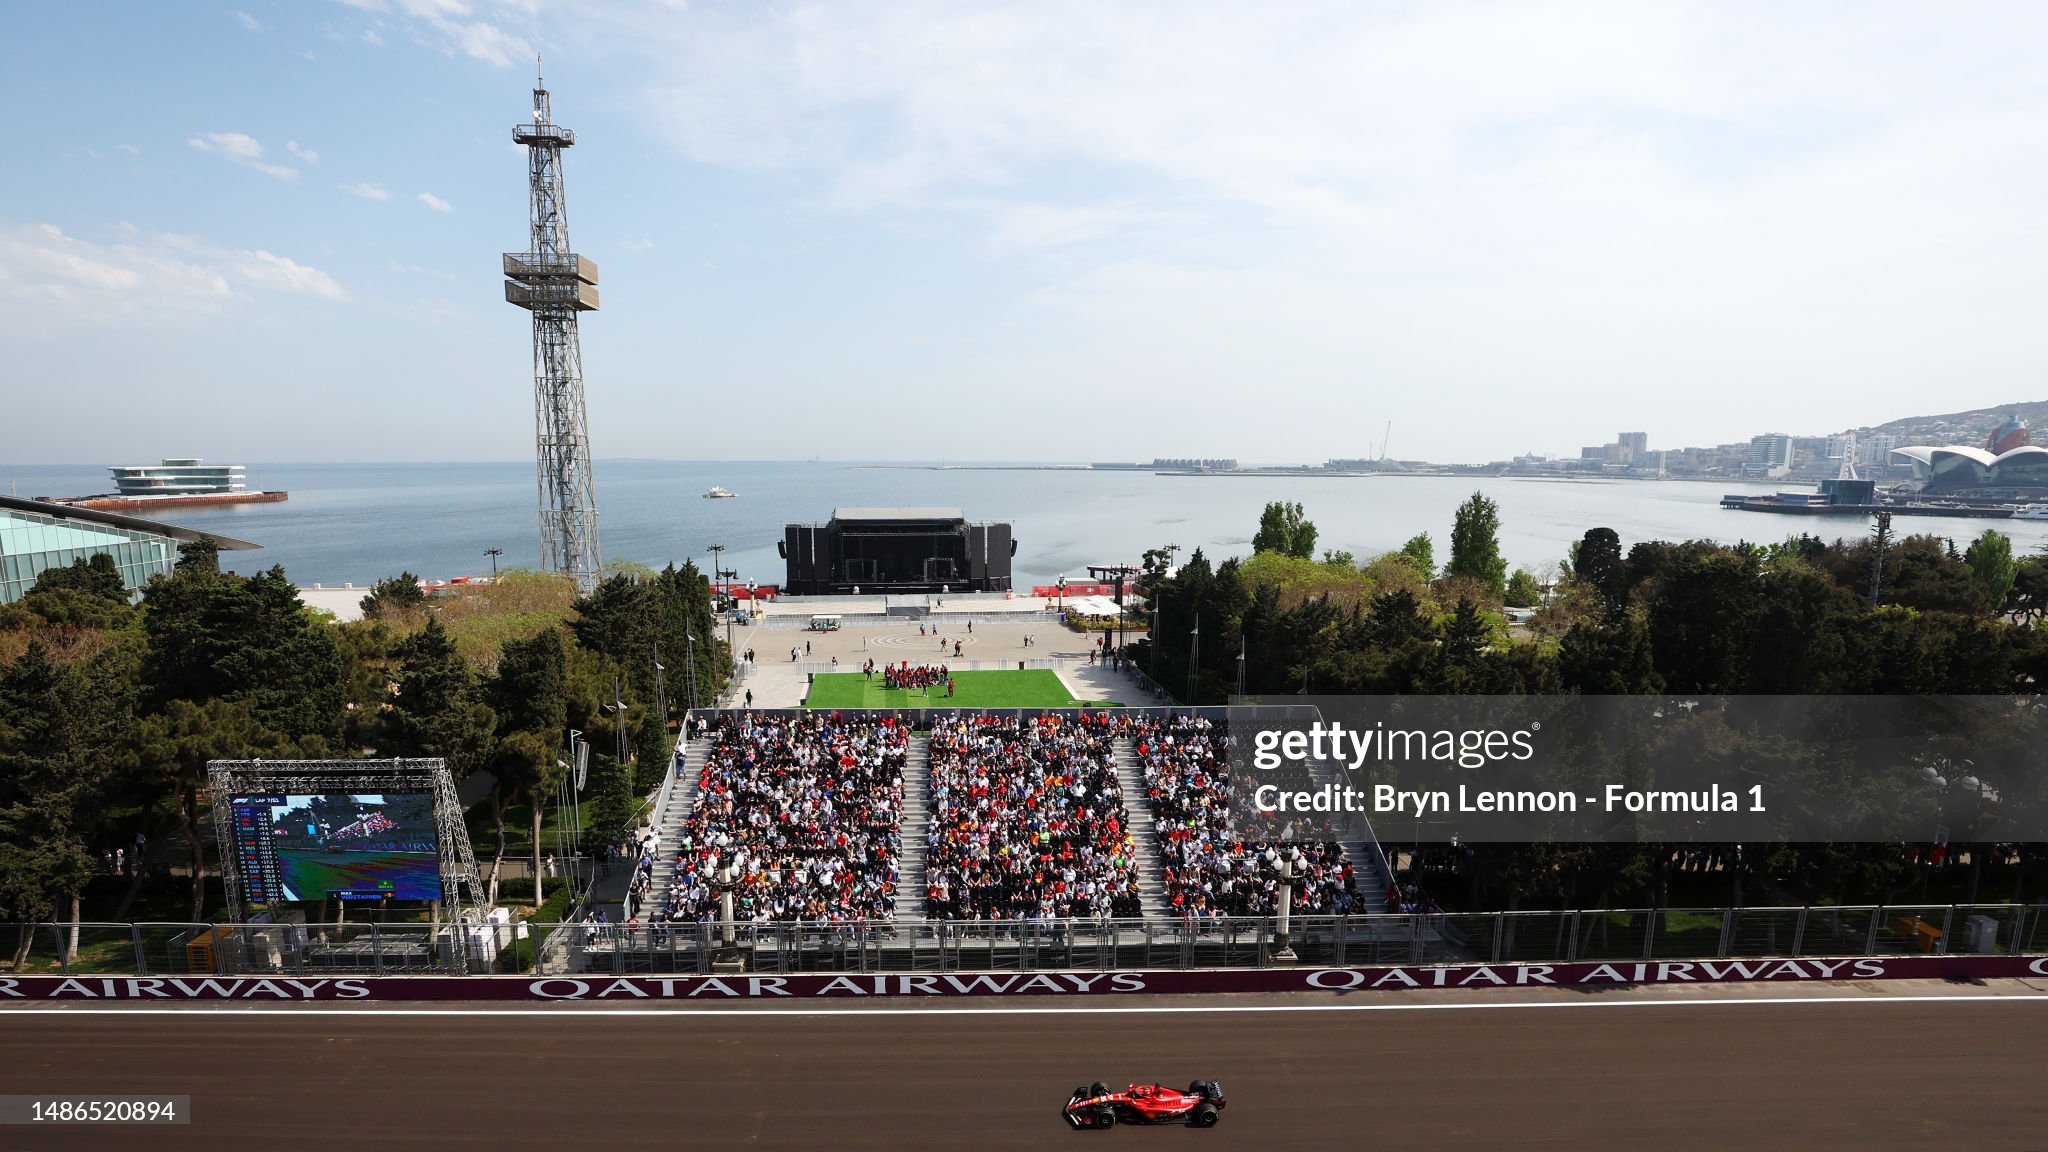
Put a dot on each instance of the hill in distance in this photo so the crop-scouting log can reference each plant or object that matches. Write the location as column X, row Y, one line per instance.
column 1969, row 428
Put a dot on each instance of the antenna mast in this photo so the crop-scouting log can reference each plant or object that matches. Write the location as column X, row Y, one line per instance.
column 555, row 284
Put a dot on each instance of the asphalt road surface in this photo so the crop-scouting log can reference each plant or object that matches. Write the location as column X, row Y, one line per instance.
column 1851, row 1074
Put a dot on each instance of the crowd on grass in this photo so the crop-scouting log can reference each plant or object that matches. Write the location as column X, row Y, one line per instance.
column 811, row 807
column 1027, row 820
column 1209, row 870
column 905, row 676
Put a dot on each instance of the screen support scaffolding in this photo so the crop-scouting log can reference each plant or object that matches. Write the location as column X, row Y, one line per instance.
column 461, row 887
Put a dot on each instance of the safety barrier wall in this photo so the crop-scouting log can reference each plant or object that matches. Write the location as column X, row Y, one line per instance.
column 728, row 988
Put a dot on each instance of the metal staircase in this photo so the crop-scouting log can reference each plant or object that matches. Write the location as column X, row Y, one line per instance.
column 1144, row 836
column 917, row 790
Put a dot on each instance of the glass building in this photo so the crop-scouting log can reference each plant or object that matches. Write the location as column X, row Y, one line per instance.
column 36, row 536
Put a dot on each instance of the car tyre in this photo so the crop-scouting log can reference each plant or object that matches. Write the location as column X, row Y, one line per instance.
column 1205, row 1115
column 1106, row 1118
column 1198, row 1088
column 1098, row 1089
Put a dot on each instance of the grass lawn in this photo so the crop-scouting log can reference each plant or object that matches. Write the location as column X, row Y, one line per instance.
column 1030, row 688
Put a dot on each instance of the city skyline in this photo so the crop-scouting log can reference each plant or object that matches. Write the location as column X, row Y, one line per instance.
column 269, row 231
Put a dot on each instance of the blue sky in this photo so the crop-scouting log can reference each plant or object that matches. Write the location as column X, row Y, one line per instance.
column 1046, row 230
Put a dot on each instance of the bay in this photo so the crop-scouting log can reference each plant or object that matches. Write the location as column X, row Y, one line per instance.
column 357, row 523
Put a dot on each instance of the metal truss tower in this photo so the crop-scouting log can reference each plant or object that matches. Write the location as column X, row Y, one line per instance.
column 555, row 285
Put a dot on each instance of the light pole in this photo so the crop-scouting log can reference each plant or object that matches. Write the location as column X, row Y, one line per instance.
column 1194, row 654
column 1245, row 647
column 716, row 575
column 660, row 688
column 1286, row 867
column 494, row 553
column 726, row 876
column 690, row 672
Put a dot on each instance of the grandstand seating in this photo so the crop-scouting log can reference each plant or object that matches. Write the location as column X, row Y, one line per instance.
column 1208, row 872
column 1027, row 820
column 814, row 803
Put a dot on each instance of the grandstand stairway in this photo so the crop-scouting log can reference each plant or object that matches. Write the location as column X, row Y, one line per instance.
column 917, row 790
column 1144, row 837
column 680, row 801
column 1357, row 842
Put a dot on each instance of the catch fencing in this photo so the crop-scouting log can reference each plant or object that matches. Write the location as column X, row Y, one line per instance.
column 313, row 950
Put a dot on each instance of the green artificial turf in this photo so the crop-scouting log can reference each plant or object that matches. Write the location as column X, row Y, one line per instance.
column 1029, row 688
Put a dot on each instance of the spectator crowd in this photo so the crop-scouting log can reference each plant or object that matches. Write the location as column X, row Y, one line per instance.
column 1027, row 820
column 1209, row 871
column 811, row 806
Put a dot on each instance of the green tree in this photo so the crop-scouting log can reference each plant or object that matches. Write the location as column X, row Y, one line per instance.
column 1993, row 567
column 88, row 594
column 1475, row 545
column 400, row 593
column 1422, row 550
column 530, row 694
column 438, row 709
column 1598, row 563
column 1522, row 590
column 63, row 728
column 1285, row 529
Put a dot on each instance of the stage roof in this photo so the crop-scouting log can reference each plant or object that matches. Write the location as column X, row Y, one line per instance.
column 898, row 514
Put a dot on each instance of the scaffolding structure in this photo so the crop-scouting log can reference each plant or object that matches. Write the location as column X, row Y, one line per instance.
column 555, row 285
column 462, row 892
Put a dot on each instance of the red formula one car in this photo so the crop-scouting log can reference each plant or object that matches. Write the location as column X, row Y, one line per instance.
column 1098, row 1107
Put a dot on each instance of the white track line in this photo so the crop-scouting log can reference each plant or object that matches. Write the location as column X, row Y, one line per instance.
column 344, row 1010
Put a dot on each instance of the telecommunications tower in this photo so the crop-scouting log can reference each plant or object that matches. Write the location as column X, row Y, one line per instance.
column 555, row 284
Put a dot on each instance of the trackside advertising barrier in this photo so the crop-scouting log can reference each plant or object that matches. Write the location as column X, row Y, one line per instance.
column 913, row 986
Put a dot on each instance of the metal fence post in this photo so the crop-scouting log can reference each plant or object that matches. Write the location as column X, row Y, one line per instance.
column 1870, row 938
column 1799, row 932
column 141, row 956
column 1727, row 933
column 1650, row 933
column 1571, row 948
column 1500, row 924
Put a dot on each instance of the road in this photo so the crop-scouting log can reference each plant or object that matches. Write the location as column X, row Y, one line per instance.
column 1573, row 1073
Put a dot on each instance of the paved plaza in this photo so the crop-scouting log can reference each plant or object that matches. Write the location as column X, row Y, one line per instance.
column 990, row 633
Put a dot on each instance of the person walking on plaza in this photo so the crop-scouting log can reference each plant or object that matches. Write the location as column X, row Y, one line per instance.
column 750, row 697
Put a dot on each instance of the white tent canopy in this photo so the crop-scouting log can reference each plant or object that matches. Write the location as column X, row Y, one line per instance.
column 1093, row 605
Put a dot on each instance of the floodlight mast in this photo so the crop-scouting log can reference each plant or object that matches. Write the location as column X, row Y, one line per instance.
column 555, row 284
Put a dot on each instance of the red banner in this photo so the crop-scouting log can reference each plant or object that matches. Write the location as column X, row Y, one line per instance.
column 920, row 985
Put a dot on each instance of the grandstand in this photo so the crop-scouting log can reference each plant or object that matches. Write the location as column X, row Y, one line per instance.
column 974, row 815
column 810, row 806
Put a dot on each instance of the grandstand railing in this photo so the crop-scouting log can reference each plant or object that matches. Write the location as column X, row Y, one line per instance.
column 313, row 950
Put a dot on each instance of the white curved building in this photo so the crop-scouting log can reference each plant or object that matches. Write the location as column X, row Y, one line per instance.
column 188, row 476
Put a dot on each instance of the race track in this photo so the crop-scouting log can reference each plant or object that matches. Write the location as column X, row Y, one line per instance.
column 1793, row 1075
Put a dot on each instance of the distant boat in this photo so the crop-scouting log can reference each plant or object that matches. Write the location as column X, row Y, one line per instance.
column 2031, row 512
column 718, row 493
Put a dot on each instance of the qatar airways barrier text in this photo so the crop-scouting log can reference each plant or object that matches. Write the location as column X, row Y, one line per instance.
column 702, row 989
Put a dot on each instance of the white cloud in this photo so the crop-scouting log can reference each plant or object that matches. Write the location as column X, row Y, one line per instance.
column 241, row 148
column 1626, row 208
column 61, row 282
column 435, row 202
column 130, row 149
column 248, row 21
column 367, row 190
column 306, row 154
column 453, row 27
